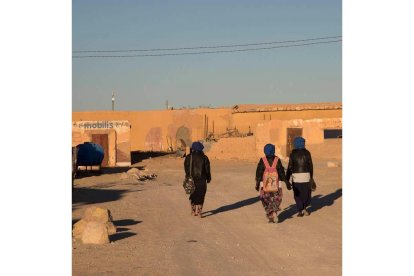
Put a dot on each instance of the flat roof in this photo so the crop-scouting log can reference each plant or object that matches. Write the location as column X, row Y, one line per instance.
column 240, row 108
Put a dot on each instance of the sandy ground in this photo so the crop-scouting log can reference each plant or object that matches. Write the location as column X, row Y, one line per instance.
column 157, row 236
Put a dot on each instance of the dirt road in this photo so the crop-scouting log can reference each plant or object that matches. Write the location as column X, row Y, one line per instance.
column 157, row 236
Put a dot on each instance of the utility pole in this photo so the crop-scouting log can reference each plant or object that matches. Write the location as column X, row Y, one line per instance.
column 113, row 101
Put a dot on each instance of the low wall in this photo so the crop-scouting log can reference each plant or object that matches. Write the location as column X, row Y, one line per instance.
column 238, row 148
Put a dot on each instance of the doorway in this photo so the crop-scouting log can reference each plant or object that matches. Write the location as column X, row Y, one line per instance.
column 102, row 140
column 292, row 133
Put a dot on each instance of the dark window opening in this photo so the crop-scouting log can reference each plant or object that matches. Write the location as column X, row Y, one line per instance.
column 332, row 133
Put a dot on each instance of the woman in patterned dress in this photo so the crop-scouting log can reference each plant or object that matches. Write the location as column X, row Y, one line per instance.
column 270, row 200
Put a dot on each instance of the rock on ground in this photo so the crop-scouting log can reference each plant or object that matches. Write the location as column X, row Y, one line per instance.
column 95, row 233
column 78, row 229
column 133, row 171
column 111, row 228
column 89, row 228
column 97, row 214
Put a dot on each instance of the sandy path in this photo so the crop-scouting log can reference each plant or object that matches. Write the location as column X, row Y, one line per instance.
column 157, row 235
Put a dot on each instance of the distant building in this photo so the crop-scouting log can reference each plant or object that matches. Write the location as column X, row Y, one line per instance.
column 160, row 130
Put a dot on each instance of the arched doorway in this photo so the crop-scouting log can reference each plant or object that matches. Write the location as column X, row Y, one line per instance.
column 183, row 138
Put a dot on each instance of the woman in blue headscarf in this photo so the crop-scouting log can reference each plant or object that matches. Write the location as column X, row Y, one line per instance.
column 300, row 167
column 270, row 200
column 200, row 172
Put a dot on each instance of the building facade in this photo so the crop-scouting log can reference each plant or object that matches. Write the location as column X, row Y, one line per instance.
column 166, row 130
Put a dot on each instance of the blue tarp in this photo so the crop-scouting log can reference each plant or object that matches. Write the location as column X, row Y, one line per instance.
column 90, row 154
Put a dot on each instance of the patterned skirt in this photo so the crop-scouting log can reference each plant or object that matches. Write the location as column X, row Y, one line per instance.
column 271, row 202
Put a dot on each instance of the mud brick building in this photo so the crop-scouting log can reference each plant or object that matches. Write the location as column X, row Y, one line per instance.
column 121, row 132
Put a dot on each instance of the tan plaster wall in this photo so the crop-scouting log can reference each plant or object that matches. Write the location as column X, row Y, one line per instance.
column 238, row 148
column 150, row 129
column 269, row 132
column 330, row 149
column 275, row 132
column 242, row 121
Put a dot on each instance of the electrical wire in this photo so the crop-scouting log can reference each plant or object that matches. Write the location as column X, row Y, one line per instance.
column 207, row 52
column 208, row 47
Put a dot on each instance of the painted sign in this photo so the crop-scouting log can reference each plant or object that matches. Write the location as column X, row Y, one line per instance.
column 101, row 124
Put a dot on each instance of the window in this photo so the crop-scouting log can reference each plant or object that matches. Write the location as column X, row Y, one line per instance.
column 332, row 133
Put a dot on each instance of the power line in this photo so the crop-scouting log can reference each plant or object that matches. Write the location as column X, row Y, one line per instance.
column 210, row 52
column 208, row 47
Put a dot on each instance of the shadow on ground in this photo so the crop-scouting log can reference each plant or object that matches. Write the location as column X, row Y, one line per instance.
column 138, row 156
column 126, row 222
column 121, row 236
column 232, row 206
column 85, row 196
column 317, row 203
column 107, row 170
column 122, row 232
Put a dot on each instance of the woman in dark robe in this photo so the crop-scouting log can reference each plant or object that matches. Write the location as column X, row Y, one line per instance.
column 300, row 167
column 200, row 172
column 270, row 200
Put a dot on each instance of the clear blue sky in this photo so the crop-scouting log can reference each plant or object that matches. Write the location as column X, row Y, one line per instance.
column 286, row 75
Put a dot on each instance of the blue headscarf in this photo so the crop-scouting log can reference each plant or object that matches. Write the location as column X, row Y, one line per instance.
column 269, row 150
column 197, row 146
column 299, row 143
